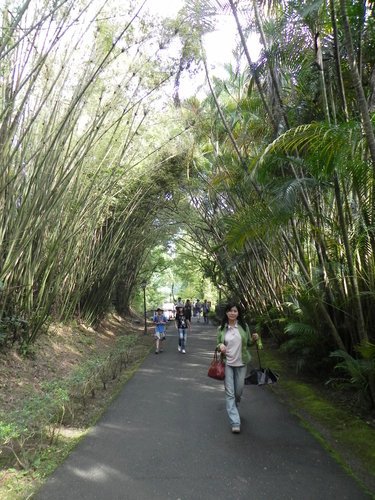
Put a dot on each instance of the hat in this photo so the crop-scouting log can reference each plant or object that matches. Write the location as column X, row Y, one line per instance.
column 159, row 309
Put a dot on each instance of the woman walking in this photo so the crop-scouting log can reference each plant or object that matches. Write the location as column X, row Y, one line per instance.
column 187, row 310
column 182, row 324
column 205, row 310
column 233, row 341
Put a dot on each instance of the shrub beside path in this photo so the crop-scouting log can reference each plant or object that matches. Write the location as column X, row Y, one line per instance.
column 166, row 436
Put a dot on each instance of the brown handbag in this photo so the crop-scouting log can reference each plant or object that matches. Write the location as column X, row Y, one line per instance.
column 217, row 368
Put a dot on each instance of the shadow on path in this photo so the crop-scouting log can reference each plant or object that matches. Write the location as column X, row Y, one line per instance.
column 167, row 436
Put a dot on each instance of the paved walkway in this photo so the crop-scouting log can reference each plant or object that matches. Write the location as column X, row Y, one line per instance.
column 166, row 436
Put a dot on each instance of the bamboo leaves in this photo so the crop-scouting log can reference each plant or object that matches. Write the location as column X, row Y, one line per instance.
column 75, row 103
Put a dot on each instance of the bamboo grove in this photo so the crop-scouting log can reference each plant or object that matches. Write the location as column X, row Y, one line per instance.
column 284, row 184
column 78, row 196
column 271, row 174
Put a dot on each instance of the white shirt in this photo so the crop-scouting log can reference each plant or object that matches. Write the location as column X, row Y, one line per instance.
column 233, row 344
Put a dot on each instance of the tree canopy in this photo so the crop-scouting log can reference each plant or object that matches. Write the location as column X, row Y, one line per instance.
column 260, row 188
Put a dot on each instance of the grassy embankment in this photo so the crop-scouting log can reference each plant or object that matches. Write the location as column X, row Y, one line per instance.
column 50, row 400
column 347, row 436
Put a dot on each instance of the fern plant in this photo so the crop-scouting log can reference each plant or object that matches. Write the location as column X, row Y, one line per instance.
column 357, row 374
column 303, row 344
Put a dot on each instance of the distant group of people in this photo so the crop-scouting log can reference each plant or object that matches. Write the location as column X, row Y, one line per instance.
column 196, row 309
column 183, row 318
column 201, row 309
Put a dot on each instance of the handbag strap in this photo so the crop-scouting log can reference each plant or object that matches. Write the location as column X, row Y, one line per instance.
column 216, row 357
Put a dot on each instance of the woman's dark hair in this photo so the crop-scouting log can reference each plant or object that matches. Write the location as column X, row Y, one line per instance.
column 240, row 319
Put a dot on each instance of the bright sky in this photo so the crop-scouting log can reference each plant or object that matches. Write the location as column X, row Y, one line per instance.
column 165, row 8
column 218, row 44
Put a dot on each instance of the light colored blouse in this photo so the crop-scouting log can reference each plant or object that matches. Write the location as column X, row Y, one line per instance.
column 246, row 341
column 233, row 343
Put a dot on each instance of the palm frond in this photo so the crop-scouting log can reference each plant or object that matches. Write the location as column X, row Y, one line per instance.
column 300, row 329
column 326, row 144
column 252, row 222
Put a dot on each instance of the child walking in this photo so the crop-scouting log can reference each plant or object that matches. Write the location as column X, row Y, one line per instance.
column 160, row 321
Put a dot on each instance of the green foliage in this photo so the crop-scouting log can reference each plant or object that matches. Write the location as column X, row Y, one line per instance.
column 367, row 351
column 31, row 426
column 357, row 374
column 346, row 429
column 179, row 268
column 13, row 329
column 304, row 345
column 262, row 190
column 76, row 211
column 8, row 432
column 25, row 432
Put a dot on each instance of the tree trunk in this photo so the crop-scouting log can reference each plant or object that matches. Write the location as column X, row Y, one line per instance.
column 351, row 267
column 270, row 65
column 252, row 69
column 336, row 50
column 361, row 98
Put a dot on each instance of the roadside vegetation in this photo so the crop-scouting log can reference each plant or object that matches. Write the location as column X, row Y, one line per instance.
column 114, row 188
column 335, row 418
column 51, row 400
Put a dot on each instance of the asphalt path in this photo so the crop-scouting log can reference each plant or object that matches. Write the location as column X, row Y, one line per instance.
column 167, row 436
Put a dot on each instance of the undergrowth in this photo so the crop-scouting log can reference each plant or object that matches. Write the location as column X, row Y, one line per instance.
column 349, row 437
column 38, row 436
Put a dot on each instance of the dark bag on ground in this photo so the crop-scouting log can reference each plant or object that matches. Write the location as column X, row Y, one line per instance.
column 217, row 368
column 261, row 376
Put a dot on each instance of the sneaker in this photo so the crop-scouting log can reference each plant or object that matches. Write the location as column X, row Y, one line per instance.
column 183, row 351
column 156, row 352
column 236, row 429
column 179, row 348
